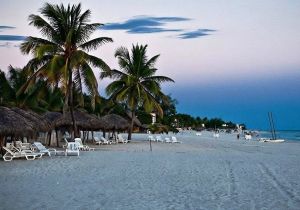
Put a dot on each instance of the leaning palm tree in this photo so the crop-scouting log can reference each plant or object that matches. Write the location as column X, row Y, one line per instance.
column 60, row 57
column 136, row 83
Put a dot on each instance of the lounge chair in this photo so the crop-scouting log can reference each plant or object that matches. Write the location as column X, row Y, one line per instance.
column 151, row 138
column 105, row 141
column 168, row 140
column 248, row 137
column 121, row 139
column 9, row 155
column 42, row 149
column 97, row 140
column 174, row 140
column 216, row 135
column 72, row 148
column 66, row 143
column 158, row 138
column 23, row 146
column 82, row 146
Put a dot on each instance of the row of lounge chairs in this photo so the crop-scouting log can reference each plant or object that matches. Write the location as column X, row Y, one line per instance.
column 37, row 150
column 30, row 152
column 158, row 138
column 102, row 140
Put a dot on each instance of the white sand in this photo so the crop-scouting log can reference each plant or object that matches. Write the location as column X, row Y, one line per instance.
column 201, row 173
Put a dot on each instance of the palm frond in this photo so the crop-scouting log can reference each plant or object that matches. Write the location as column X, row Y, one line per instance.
column 95, row 43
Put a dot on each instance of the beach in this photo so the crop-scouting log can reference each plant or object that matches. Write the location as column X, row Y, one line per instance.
column 200, row 173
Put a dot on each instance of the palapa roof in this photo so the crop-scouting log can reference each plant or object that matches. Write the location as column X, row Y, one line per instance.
column 52, row 117
column 84, row 121
column 40, row 123
column 14, row 124
column 115, row 122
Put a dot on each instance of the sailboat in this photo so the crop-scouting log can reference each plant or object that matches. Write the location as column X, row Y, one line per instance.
column 273, row 132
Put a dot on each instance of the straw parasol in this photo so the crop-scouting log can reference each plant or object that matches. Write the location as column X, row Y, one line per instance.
column 84, row 121
column 52, row 117
column 115, row 122
column 14, row 124
column 40, row 123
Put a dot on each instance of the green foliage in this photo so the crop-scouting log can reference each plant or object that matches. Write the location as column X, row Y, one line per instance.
column 136, row 84
column 61, row 55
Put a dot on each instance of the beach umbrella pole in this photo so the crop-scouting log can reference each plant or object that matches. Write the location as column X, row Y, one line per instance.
column 150, row 145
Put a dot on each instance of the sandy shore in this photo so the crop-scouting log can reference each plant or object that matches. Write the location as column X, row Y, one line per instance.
column 200, row 173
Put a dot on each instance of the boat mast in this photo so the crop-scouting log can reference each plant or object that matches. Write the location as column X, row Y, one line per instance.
column 271, row 127
column 275, row 137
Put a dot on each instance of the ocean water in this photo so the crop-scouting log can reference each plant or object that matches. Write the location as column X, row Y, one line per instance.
column 293, row 135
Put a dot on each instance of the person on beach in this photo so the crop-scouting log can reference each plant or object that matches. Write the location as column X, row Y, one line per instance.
column 238, row 136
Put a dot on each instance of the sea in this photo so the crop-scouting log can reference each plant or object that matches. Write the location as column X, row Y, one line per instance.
column 293, row 135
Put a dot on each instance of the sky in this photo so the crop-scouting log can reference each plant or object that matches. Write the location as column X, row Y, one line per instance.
column 233, row 59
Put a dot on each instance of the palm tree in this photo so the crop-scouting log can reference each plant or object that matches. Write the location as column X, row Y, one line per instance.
column 61, row 57
column 136, row 83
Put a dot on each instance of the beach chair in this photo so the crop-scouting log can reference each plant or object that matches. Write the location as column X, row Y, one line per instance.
column 66, row 143
column 82, row 146
column 42, row 149
column 121, row 139
column 174, row 140
column 97, row 141
column 168, row 140
column 28, row 154
column 159, row 139
column 72, row 148
column 216, row 135
column 105, row 141
column 151, row 138
column 23, row 146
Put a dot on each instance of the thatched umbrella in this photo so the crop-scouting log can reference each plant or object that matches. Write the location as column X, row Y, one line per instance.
column 14, row 124
column 115, row 122
column 84, row 121
column 52, row 117
column 40, row 123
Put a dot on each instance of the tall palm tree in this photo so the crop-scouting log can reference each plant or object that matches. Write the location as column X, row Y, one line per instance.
column 136, row 83
column 61, row 57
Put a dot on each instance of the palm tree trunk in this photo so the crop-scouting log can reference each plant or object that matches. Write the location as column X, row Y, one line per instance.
column 131, row 125
column 70, row 91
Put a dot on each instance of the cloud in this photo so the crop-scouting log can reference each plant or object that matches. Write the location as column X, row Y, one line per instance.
column 6, row 27
column 195, row 34
column 145, row 24
column 12, row 38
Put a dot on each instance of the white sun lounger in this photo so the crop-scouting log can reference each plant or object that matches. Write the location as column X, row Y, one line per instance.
column 168, row 140
column 151, row 138
column 174, row 140
column 42, row 149
column 9, row 155
column 82, row 146
column 121, row 139
column 97, row 140
column 159, row 139
column 105, row 141
column 72, row 148
column 23, row 146
column 66, row 143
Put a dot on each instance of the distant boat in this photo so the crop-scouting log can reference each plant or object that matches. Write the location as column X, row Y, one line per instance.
column 273, row 132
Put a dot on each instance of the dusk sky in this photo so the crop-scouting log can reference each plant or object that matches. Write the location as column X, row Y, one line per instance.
column 234, row 59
